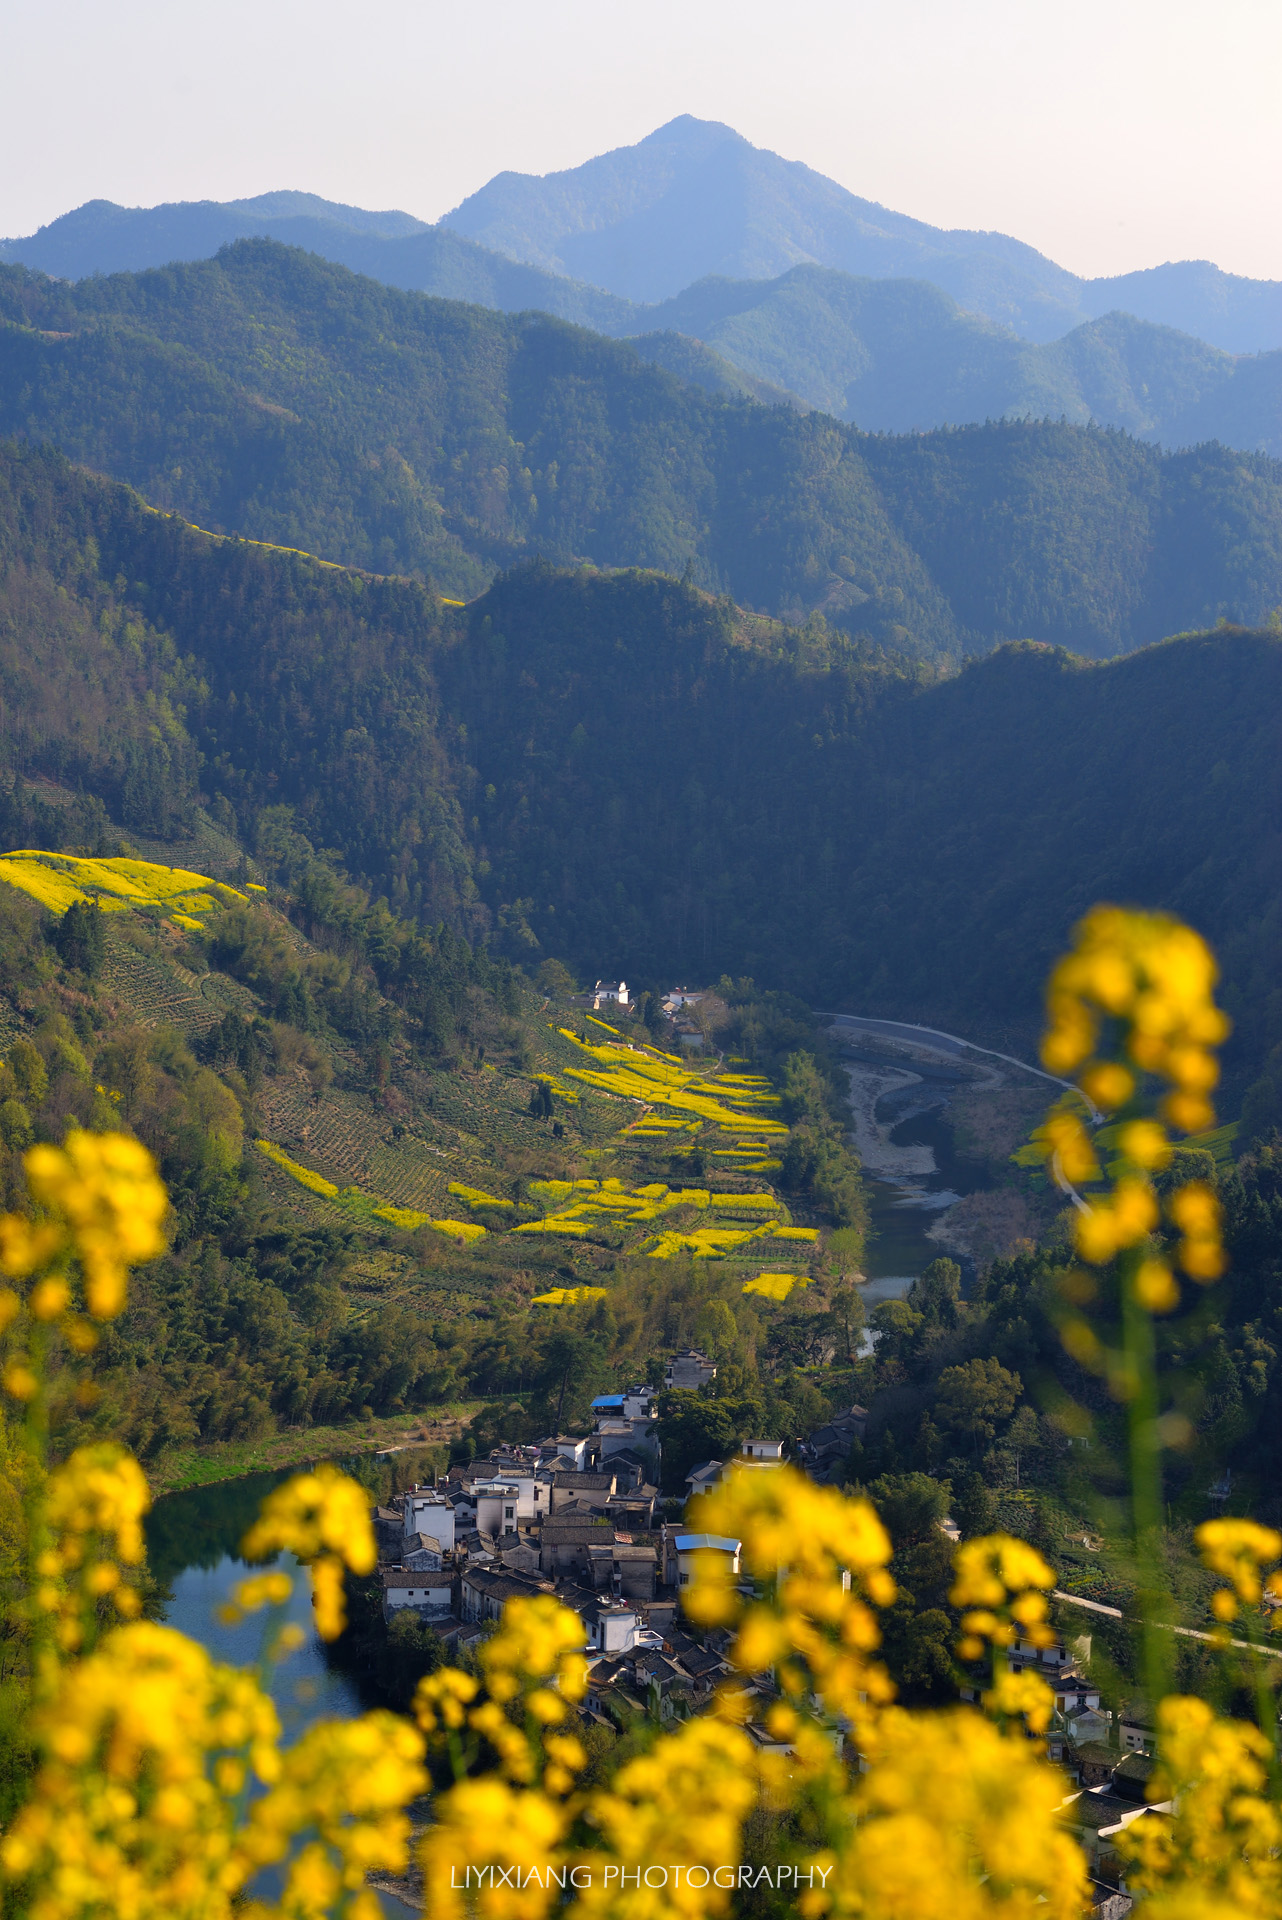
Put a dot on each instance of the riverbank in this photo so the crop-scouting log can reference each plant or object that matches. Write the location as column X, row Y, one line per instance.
column 935, row 1122
column 204, row 1464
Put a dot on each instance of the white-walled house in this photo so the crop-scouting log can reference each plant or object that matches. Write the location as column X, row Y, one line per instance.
column 428, row 1594
column 422, row 1554
column 761, row 1453
column 634, row 1403
column 690, row 1370
column 498, row 1506
column 678, row 997
column 690, row 1544
column 610, row 993
column 428, row 1512
column 613, row 1627
column 530, row 1488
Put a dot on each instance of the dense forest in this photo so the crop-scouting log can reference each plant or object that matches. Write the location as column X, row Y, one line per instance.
column 624, row 772
column 272, row 394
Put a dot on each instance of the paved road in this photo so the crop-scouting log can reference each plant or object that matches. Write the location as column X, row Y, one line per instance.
column 953, row 1043
column 1185, row 1633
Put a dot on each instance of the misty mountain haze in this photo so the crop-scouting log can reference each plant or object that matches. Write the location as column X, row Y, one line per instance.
column 642, row 223
column 786, row 288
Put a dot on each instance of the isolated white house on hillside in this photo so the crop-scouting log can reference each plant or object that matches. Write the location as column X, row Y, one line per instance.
column 610, row 993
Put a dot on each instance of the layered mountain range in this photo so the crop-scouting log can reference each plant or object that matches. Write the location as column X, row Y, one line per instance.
column 272, row 395
column 808, row 292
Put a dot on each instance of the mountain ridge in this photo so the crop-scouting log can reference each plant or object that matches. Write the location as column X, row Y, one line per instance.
column 756, row 215
column 271, row 395
column 514, row 219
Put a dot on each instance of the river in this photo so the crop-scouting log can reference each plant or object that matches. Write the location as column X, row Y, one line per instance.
column 192, row 1545
column 903, row 1083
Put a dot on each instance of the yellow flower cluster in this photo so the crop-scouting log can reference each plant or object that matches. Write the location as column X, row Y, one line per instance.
column 1238, row 1550
column 128, row 1812
column 568, row 1296
column 1135, row 997
column 136, row 1806
column 475, row 1196
column 305, row 1176
column 516, row 1816
column 1155, row 977
column 805, row 1544
column 714, row 1243
column 107, row 1206
column 658, row 1079
column 1003, row 1582
column 960, row 1819
column 59, row 880
column 684, row 1803
column 776, row 1286
column 346, row 1784
column 93, row 1510
column 323, row 1519
column 1195, row 1210
column 1218, row 1855
column 593, row 1202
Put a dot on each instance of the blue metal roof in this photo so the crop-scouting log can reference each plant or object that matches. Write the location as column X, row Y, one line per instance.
column 691, row 1542
column 609, row 1400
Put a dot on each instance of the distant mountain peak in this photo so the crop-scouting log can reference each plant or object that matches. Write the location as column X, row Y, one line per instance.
column 695, row 198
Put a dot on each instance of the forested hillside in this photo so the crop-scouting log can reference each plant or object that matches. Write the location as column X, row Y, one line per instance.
column 887, row 354
column 270, row 394
column 898, row 356
column 626, row 773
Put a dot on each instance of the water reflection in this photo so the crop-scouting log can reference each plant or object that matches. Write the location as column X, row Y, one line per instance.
column 192, row 1541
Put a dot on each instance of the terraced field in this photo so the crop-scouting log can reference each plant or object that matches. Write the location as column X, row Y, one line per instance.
column 161, row 994
column 512, row 1198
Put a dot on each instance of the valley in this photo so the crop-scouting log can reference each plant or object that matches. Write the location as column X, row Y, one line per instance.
column 935, row 1122
column 640, row 913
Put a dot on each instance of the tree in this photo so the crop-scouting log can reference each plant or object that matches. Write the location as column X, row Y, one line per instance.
column 80, row 937
column 973, row 1507
column 844, row 1321
column 555, row 980
column 910, row 1504
column 918, row 1648
column 541, row 1100
column 1024, row 1436
column 936, row 1293
column 976, row 1398
column 693, row 1428
column 29, row 1072
column 716, row 1329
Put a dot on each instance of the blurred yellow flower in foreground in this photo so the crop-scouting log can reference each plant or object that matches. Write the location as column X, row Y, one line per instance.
column 323, row 1519
column 105, row 1189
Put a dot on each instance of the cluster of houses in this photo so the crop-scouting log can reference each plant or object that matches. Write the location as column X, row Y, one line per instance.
column 1107, row 1756
column 615, row 997
column 582, row 1518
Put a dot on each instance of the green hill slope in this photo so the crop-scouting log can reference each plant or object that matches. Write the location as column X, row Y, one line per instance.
column 631, row 775
column 272, row 395
column 383, row 1150
column 896, row 356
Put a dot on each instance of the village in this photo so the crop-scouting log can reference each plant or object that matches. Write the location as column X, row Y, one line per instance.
column 581, row 1518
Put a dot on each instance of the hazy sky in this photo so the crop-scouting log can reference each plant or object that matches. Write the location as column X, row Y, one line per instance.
column 1110, row 133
